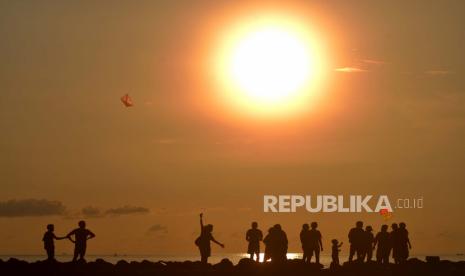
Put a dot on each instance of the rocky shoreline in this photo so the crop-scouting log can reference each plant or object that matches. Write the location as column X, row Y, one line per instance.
column 245, row 267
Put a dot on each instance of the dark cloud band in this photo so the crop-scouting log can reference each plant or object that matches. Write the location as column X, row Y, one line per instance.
column 127, row 210
column 31, row 208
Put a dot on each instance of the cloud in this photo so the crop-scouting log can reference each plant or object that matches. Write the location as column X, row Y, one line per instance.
column 438, row 72
column 158, row 228
column 31, row 208
column 237, row 141
column 43, row 207
column 373, row 61
column 236, row 235
column 91, row 212
column 166, row 141
column 127, row 210
column 447, row 235
column 95, row 212
column 350, row 70
column 244, row 209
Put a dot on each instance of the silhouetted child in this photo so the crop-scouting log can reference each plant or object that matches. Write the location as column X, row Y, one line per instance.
column 81, row 236
column 49, row 244
column 335, row 251
column 254, row 236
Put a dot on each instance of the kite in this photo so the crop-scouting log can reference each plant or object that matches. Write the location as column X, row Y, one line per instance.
column 126, row 100
column 385, row 214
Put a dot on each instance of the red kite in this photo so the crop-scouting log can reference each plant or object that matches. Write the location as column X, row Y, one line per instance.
column 126, row 100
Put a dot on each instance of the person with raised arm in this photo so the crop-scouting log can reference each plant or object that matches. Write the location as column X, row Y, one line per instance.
column 203, row 241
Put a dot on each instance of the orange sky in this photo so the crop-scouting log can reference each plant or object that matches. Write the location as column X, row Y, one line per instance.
column 391, row 120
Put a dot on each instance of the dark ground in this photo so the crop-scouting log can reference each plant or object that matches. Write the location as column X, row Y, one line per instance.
column 225, row 268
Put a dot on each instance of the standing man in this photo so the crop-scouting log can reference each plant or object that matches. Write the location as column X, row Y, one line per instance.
column 280, row 245
column 314, row 239
column 356, row 239
column 368, row 241
column 394, row 241
column 254, row 236
column 404, row 243
column 382, row 241
column 304, row 233
column 81, row 235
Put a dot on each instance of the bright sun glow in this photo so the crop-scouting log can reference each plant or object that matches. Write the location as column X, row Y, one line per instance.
column 269, row 66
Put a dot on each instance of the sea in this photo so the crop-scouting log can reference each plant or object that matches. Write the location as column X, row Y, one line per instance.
column 215, row 258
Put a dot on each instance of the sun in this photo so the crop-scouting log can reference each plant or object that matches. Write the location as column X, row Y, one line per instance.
column 269, row 66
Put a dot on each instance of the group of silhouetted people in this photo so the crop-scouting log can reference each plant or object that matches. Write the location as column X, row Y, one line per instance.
column 275, row 244
column 81, row 235
column 362, row 243
column 311, row 242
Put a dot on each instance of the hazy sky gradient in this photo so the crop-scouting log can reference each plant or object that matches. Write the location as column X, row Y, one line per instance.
column 392, row 122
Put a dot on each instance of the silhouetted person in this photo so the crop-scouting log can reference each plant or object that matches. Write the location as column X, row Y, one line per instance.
column 367, row 245
column 394, row 242
column 49, row 244
column 355, row 239
column 81, row 235
column 382, row 241
column 335, row 252
column 254, row 236
column 203, row 242
column 268, row 245
column 314, row 237
column 404, row 243
column 305, row 241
